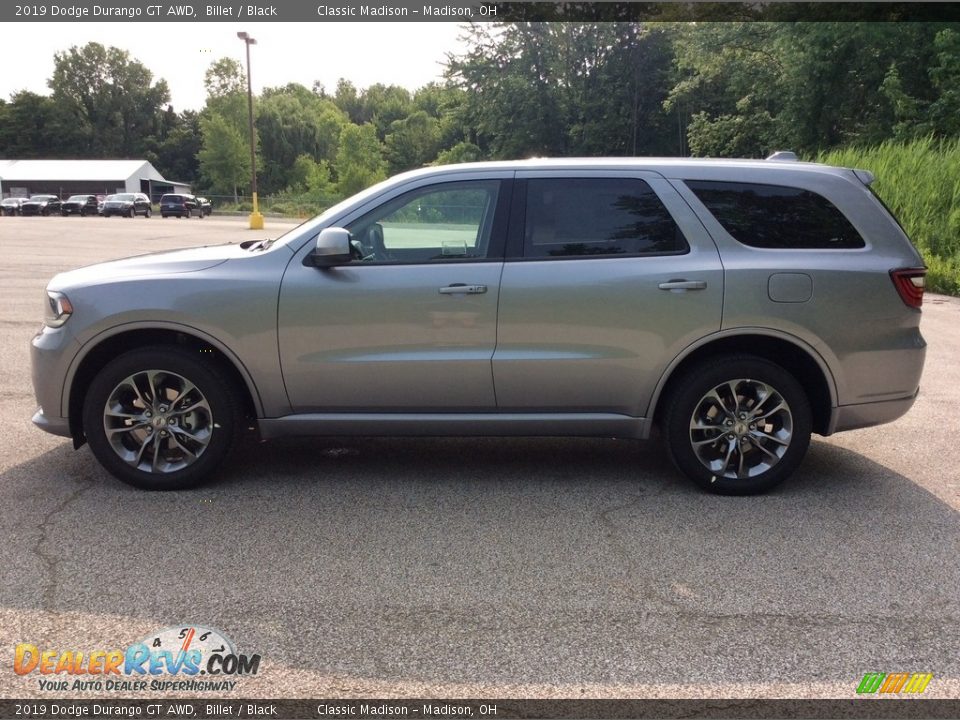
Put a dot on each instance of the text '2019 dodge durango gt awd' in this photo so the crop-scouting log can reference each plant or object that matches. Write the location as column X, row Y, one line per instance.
column 738, row 306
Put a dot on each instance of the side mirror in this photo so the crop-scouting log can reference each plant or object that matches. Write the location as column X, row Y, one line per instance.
column 332, row 248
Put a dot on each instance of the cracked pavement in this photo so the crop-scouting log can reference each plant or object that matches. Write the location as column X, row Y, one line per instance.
column 491, row 567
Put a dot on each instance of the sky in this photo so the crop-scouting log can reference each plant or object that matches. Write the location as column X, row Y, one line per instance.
column 397, row 53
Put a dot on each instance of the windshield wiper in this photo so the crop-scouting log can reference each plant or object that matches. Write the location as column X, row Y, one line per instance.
column 254, row 245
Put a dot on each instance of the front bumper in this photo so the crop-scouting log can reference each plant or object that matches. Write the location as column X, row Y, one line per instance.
column 51, row 352
column 53, row 425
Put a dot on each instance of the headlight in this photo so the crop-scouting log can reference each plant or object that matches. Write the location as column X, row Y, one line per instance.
column 58, row 309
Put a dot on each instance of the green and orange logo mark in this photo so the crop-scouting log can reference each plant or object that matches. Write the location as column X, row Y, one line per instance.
column 892, row 683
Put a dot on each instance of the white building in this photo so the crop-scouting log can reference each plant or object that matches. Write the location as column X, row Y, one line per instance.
column 19, row 178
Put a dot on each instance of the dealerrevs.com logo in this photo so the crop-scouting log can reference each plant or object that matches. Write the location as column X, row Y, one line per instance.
column 894, row 683
column 185, row 658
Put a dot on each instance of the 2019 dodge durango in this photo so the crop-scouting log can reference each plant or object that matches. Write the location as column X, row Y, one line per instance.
column 738, row 306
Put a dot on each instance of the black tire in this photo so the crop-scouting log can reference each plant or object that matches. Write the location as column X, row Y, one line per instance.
column 148, row 213
column 186, row 213
column 131, row 213
column 217, row 426
column 742, row 456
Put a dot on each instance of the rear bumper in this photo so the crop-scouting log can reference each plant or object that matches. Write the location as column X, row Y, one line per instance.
column 852, row 417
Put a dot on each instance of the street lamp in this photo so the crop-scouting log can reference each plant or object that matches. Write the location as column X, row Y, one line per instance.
column 256, row 218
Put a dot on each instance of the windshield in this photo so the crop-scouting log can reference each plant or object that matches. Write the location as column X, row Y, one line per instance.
column 78, row 198
column 42, row 197
column 126, row 196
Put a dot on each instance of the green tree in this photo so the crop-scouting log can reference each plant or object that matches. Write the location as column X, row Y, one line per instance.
column 347, row 98
column 412, row 142
column 112, row 97
column 36, row 126
column 359, row 162
column 291, row 122
column 563, row 88
column 462, row 152
column 385, row 104
column 749, row 88
column 226, row 85
column 175, row 153
column 224, row 156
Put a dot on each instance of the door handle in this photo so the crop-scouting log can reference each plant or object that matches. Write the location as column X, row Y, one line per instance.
column 683, row 285
column 462, row 289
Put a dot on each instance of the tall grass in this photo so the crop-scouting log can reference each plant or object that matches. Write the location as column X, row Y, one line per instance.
column 920, row 182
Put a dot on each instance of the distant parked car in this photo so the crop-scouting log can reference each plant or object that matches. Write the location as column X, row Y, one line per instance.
column 79, row 205
column 40, row 205
column 128, row 205
column 180, row 205
column 205, row 206
column 11, row 206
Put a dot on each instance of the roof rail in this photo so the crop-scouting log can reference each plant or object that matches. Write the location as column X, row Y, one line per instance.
column 783, row 156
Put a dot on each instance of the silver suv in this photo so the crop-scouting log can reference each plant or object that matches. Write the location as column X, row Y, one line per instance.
column 738, row 306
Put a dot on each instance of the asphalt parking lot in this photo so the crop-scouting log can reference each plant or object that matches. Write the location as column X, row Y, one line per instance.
column 481, row 568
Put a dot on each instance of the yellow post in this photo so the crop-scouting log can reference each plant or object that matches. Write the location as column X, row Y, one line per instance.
column 256, row 217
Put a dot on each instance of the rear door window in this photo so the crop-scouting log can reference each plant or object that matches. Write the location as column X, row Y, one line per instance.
column 597, row 217
column 776, row 216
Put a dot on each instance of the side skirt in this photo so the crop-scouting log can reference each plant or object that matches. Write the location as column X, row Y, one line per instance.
column 457, row 425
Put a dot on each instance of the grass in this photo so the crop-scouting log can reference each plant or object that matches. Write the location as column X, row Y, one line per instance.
column 920, row 183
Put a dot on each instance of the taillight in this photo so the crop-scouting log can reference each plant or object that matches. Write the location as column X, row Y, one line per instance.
column 910, row 282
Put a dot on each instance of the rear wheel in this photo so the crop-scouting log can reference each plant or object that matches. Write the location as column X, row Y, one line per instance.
column 159, row 419
column 738, row 425
column 186, row 213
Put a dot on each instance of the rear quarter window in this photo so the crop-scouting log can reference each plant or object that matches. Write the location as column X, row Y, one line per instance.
column 777, row 216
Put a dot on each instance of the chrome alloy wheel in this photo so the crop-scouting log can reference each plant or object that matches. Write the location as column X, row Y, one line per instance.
column 157, row 421
column 741, row 428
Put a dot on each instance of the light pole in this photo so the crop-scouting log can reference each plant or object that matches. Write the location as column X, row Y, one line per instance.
column 256, row 218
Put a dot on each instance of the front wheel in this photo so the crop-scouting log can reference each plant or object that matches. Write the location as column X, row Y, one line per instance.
column 158, row 418
column 148, row 213
column 737, row 425
column 186, row 213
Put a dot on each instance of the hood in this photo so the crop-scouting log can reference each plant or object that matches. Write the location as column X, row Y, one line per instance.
column 141, row 266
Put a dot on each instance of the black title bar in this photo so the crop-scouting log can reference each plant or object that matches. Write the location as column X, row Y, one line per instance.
column 470, row 11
